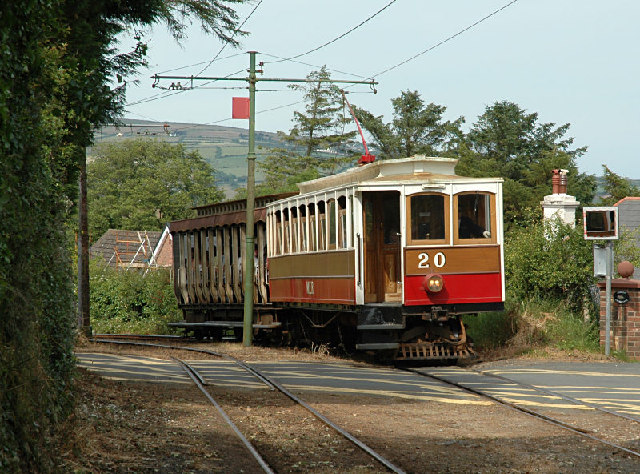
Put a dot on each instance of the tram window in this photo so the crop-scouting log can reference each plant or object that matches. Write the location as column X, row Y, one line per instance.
column 287, row 230
column 312, row 228
column 474, row 216
column 368, row 220
column 342, row 223
column 302, row 212
column 428, row 216
column 342, row 229
column 279, row 233
column 332, row 223
column 294, row 230
column 322, row 226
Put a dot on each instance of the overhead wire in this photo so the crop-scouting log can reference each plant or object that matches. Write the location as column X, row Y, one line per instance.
column 384, row 71
column 199, row 63
column 232, row 36
column 311, row 65
column 431, row 48
column 163, row 95
column 313, row 50
column 280, row 59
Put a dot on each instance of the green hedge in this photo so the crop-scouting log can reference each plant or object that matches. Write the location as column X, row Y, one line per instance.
column 550, row 262
column 549, row 274
column 132, row 301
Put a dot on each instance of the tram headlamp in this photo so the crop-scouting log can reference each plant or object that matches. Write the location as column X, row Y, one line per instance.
column 433, row 283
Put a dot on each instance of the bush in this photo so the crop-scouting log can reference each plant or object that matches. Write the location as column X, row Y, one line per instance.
column 549, row 262
column 549, row 273
column 132, row 301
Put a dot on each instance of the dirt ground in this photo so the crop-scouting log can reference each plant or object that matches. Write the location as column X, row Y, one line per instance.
column 125, row 427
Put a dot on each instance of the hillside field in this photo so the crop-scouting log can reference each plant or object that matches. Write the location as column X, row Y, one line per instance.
column 225, row 148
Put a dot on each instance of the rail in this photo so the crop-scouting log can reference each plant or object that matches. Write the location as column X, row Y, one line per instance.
column 272, row 384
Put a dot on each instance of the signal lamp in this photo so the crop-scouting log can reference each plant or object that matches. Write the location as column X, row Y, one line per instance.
column 433, row 283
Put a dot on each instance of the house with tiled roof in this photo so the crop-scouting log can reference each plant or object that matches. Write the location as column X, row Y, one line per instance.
column 134, row 248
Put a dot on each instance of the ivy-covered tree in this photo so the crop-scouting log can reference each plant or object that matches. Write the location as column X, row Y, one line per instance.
column 508, row 142
column 143, row 184
column 56, row 68
column 416, row 128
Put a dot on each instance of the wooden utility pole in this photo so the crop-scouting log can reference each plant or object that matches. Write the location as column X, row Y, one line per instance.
column 84, row 318
column 247, row 333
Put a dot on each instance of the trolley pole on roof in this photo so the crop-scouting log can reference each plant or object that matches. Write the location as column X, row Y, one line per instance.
column 247, row 332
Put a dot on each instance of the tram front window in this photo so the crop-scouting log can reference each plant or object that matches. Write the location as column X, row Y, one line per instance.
column 474, row 216
column 427, row 217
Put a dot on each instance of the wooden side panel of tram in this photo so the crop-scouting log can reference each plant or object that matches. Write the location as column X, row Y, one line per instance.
column 324, row 277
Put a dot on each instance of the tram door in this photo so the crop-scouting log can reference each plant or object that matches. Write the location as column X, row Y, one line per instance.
column 383, row 282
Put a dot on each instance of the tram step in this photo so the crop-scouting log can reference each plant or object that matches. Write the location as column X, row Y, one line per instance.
column 224, row 324
column 379, row 327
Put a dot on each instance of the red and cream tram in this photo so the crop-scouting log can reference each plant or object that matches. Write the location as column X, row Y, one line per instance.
column 388, row 256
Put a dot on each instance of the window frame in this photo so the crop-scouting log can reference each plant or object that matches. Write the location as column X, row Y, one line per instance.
column 332, row 224
column 279, row 233
column 493, row 239
column 322, row 226
column 447, row 220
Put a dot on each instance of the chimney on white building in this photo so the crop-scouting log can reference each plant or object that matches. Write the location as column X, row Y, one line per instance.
column 560, row 204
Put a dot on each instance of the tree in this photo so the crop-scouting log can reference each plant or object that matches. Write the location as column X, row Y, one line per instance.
column 510, row 143
column 55, row 73
column 318, row 144
column 616, row 187
column 322, row 124
column 416, row 128
column 143, row 184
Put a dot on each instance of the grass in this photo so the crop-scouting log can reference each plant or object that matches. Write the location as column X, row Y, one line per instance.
column 534, row 325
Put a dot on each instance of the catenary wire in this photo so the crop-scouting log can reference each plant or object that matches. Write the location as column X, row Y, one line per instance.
column 384, row 71
column 280, row 59
column 232, row 36
column 162, row 96
column 200, row 63
column 360, row 76
column 169, row 94
column 313, row 50
column 431, row 48
column 481, row 20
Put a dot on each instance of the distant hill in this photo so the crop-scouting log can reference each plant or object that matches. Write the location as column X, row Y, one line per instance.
column 225, row 148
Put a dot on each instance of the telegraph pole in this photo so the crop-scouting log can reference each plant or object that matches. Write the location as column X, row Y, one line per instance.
column 84, row 318
column 247, row 332
column 247, row 327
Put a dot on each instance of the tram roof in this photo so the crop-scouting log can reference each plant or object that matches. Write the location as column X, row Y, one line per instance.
column 417, row 168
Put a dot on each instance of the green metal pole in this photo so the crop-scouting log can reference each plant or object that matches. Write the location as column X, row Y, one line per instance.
column 247, row 333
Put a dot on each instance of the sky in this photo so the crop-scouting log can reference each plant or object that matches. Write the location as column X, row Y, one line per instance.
column 570, row 61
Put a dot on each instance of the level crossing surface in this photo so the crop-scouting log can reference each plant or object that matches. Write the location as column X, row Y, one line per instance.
column 610, row 385
column 614, row 386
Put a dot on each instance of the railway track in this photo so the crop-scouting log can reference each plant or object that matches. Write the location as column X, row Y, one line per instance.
column 500, row 389
column 203, row 385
